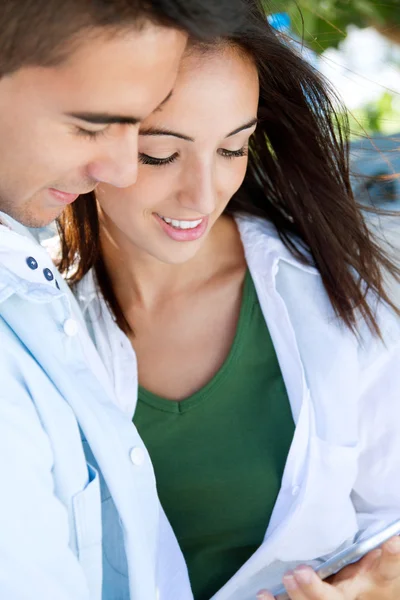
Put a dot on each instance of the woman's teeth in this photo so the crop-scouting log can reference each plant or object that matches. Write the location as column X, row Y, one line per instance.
column 182, row 224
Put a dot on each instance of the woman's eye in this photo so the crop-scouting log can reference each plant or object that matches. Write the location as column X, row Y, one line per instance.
column 92, row 135
column 145, row 159
column 233, row 153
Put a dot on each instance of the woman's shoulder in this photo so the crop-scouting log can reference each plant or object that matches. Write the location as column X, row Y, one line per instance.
column 261, row 237
column 255, row 229
column 303, row 292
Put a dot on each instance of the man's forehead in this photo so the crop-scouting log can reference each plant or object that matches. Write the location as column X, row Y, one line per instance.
column 124, row 88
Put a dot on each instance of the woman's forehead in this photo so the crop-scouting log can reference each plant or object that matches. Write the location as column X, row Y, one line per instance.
column 219, row 90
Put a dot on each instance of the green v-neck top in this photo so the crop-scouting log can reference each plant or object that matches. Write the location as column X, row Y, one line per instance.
column 219, row 455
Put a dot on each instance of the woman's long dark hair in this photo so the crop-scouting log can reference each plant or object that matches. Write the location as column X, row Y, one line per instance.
column 297, row 178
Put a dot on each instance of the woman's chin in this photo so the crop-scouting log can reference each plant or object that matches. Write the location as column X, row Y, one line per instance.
column 181, row 254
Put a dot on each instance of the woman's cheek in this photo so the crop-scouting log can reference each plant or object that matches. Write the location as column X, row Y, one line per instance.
column 238, row 176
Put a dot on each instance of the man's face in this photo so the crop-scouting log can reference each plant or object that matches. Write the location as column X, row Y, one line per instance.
column 64, row 129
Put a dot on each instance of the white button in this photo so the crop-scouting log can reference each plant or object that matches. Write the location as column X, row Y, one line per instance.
column 295, row 490
column 137, row 456
column 70, row 327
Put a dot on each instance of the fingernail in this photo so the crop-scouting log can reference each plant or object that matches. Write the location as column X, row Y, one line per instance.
column 262, row 595
column 393, row 545
column 303, row 575
column 290, row 582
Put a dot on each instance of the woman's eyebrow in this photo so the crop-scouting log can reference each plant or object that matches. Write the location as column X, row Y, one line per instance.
column 161, row 131
column 243, row 127
column 153, row 131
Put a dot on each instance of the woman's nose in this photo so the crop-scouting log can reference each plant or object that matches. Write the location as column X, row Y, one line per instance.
column 200, row 191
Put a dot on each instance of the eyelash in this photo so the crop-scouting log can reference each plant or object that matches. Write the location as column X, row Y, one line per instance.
column 234, row 153
column 91, row 135
column 145, row 159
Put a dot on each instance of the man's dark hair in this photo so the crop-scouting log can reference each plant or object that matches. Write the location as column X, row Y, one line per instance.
column 42, row 32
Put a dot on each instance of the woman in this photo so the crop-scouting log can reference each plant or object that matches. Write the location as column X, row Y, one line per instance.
column 237, row 284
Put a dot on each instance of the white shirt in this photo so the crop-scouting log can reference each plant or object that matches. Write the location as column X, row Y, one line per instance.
column 79, row 514
column 342, row 474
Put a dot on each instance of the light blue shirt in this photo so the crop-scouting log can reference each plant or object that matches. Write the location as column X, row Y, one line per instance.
column 79, row 514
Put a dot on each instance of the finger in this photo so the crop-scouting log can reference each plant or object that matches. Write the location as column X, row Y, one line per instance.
column 306, row 585
column 357, row 570
column 293, row 587
column 367, row 562
column 264, row 595
column 388, row 566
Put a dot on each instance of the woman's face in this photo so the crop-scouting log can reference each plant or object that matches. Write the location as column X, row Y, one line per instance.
column 192, row 159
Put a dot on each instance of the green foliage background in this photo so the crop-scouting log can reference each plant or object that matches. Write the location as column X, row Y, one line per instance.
column 324, row 22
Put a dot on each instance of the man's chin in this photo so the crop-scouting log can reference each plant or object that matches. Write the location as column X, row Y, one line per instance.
column 35, row 220
column 39, row 223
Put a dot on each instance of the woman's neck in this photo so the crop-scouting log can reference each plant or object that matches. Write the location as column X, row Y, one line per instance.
column 141, row 279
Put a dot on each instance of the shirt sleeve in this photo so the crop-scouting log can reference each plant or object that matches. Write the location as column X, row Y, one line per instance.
column 35, row 558
column 376, row 493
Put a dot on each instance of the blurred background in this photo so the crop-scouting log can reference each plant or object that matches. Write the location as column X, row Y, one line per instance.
column 355, row 44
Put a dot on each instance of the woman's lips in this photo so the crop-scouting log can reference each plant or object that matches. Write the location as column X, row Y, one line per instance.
column 183, row 235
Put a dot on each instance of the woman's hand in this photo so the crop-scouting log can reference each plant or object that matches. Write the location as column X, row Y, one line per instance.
column 375, row 577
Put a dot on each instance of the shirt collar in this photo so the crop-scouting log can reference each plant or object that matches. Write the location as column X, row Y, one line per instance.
column 12, row 224
column 25, row 267
column 260, row 239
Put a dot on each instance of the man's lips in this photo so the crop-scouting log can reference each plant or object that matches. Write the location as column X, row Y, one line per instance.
column 66, row 197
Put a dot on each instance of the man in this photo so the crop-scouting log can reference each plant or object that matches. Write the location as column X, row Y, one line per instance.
column 76, row 79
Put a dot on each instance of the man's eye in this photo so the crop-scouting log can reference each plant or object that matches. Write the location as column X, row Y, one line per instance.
column 233, row 153
column 91, row 135
column 145, row 159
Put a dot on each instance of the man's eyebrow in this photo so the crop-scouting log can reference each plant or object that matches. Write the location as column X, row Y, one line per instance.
column 108, row 119
column 104, row 118
column 243, row 127
column 153, row 131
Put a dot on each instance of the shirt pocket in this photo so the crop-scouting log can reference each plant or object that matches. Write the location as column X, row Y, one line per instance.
column 326, row 516
column 86, row 507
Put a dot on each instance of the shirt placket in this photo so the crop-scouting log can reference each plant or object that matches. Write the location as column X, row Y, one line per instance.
column 292, row 489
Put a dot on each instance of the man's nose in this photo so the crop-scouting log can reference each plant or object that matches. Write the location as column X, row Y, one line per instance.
column 118, row 165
